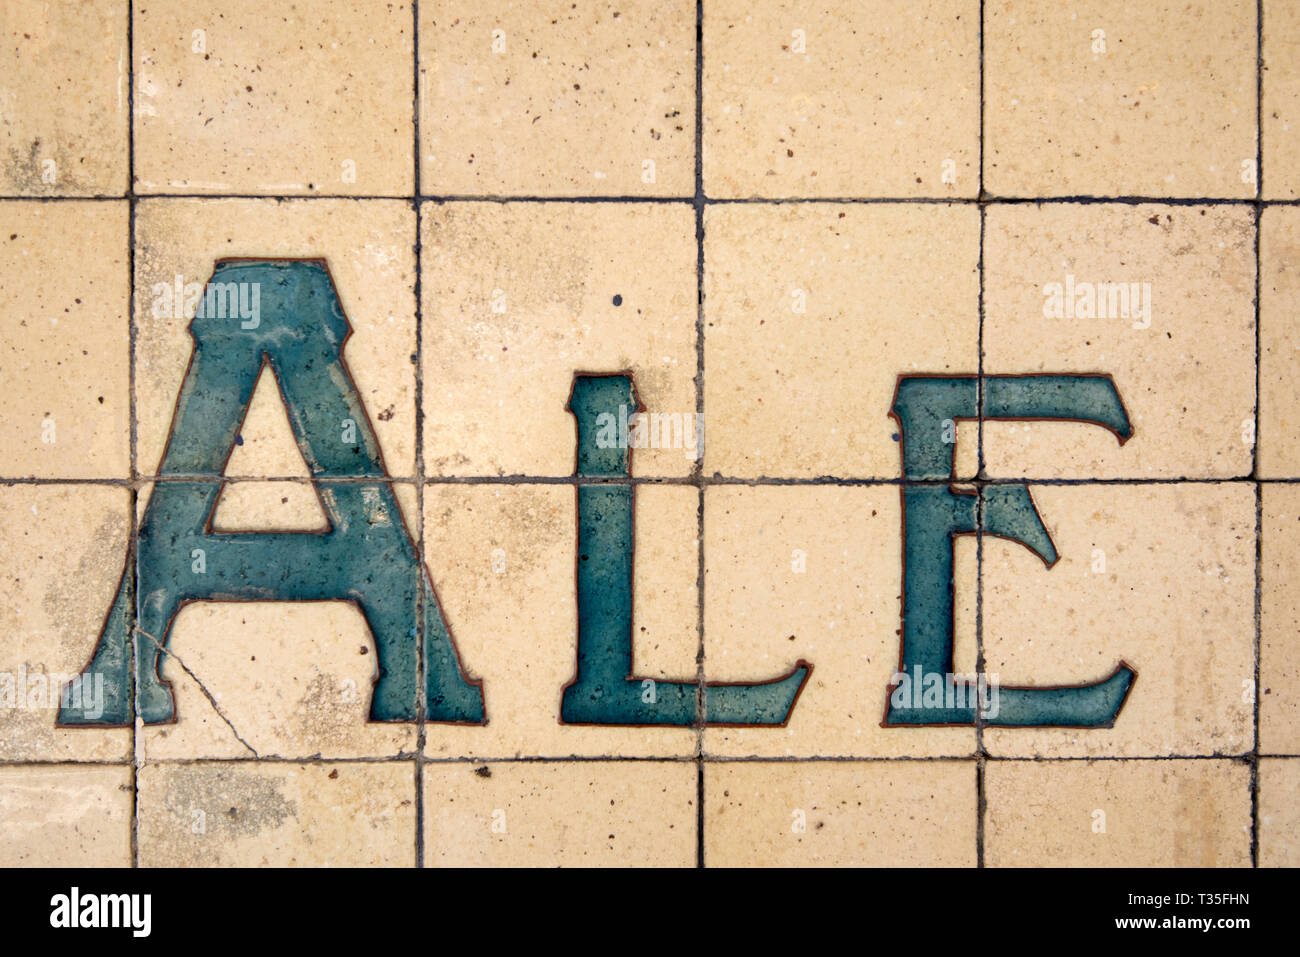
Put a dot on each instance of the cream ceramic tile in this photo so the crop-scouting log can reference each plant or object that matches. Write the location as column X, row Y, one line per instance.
column 260, row 98
column 62, row 552
column 1161, row 577
column 1279, row 815
column 1184, row 365
column 502, row 558
column 246, row 814
column 1279, row 342
column 369, row 250
column 66, row 816
column 1110, row 98
column 1279, row 644
column 551, row 100
column 574, row 814
column 800, row 301
column 63, row 99
column 1281, row 103
column 518, row 297
column 64, row 340
column 840, row 814
column 863, row 99
column 1118, row 814
column 782, row 583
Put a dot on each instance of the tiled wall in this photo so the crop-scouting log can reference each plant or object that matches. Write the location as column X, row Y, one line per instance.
column 766, row 211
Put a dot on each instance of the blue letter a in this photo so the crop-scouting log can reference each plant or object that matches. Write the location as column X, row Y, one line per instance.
column 365, row 556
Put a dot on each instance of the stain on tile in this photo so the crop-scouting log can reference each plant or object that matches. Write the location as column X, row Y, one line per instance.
column 240, row 814
column 1182, row 813
column 268, row 679
column 62, row 548
column 64, row 101
column 65, row 816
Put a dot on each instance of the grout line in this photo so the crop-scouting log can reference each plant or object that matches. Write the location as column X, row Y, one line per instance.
column 145, row 481
column 684, row 758
column 1255, row 752
column 133, row 495
column 988, row 198
column 1259, row 527
column 421, row 733
column 697, row 470
column 981, row 758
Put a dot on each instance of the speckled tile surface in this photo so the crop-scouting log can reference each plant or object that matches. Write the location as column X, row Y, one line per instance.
column 649, row 434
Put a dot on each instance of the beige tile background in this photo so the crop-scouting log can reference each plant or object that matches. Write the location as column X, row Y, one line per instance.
column 253, row 98
column 791, row 213
column 64, row 98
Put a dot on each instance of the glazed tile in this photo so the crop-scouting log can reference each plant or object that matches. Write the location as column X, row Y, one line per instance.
column 449, row 434
column 841, row 101
column 503, row 559
column 1118, row 814
column 1279, row 646
column 368, row 249
column 575, row 814
column 518, row 297
column 1279, row 296
column 782, row 585
column 800, row 300
column 840, row 814
column 242, row 814
column 62, row 550
column 64, row 100
column 1181, row 356
column 1160, row 578
column 256, row 98
column 590, row 100
column 1279, row 778
column 65, row 816
column 63, row 310
column 1106, row 98
column 1280, row 108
